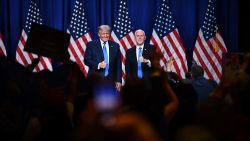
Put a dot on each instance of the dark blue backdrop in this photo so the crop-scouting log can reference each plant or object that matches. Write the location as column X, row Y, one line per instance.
column 188, row 15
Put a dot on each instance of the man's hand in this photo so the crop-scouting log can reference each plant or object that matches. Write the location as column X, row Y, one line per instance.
column 170, row 63
column 103, row 65
column 143, row 60
column 118, row 86
column 146, row 61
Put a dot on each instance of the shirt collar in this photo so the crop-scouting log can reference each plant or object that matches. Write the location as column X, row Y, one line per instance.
column 140, row 46
column 103, row 42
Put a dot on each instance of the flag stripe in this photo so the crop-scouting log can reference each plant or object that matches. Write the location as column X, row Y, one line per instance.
column 77, row 56
column 23, row 59
column 200, row 60
column 155, row 40
column 113, row 37
column 1, row 51
column 83, row 41
column 26, row 58
column 2, row 47
column 203, row 56
column 44, row 63
column 20, row 57
column 216, row 57
column 222, row 45
column 123, row 57
column 181, row 49
column 78, row 45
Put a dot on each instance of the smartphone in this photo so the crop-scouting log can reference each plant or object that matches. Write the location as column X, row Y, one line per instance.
column 106, row 98
column 106, row 102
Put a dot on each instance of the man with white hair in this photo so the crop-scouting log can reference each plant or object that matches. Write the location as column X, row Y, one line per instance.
column 138, row 62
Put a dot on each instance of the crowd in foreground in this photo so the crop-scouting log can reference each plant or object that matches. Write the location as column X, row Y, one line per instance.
column 64, row 105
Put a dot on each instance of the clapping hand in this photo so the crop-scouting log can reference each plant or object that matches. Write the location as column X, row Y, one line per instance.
column 170, row 63
column 103, row 65
column 143, row 60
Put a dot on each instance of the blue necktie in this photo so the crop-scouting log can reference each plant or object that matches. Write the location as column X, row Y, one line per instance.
column 139, row 71
column 105, row 54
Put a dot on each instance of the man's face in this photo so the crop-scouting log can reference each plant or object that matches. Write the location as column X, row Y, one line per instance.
column 104, row 35
column 139, row 38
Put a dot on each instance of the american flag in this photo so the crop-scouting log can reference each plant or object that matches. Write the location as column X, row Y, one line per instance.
column 122, row 33
column 210, row 46
column 23, row 57
column 167, row 40
column 80, row 36
column 2, row 47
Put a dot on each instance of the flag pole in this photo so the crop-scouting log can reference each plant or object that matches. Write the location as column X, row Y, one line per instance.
column 216, row 39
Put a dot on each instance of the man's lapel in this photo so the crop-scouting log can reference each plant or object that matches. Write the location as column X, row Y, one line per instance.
column 134, row 55
column 111, row 50
column 99, row 49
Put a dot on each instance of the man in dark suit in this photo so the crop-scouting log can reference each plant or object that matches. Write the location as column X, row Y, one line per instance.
column 104, row 57
column 138, row 62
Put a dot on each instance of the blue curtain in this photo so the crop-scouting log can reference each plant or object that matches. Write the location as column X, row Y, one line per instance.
column 188, row 15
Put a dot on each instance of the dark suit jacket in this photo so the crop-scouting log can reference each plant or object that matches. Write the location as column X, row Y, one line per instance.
column 203, row 87
column 131, row 61
column 94, row 55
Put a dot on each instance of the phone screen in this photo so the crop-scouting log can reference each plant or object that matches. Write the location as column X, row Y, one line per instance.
column 106, row 98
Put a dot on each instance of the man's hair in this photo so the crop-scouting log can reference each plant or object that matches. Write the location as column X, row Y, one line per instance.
column 141, row 31
column 101, row 27
column 197, row 71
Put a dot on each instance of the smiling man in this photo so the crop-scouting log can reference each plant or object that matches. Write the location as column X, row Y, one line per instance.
column 138, row 62
column 104, row 57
